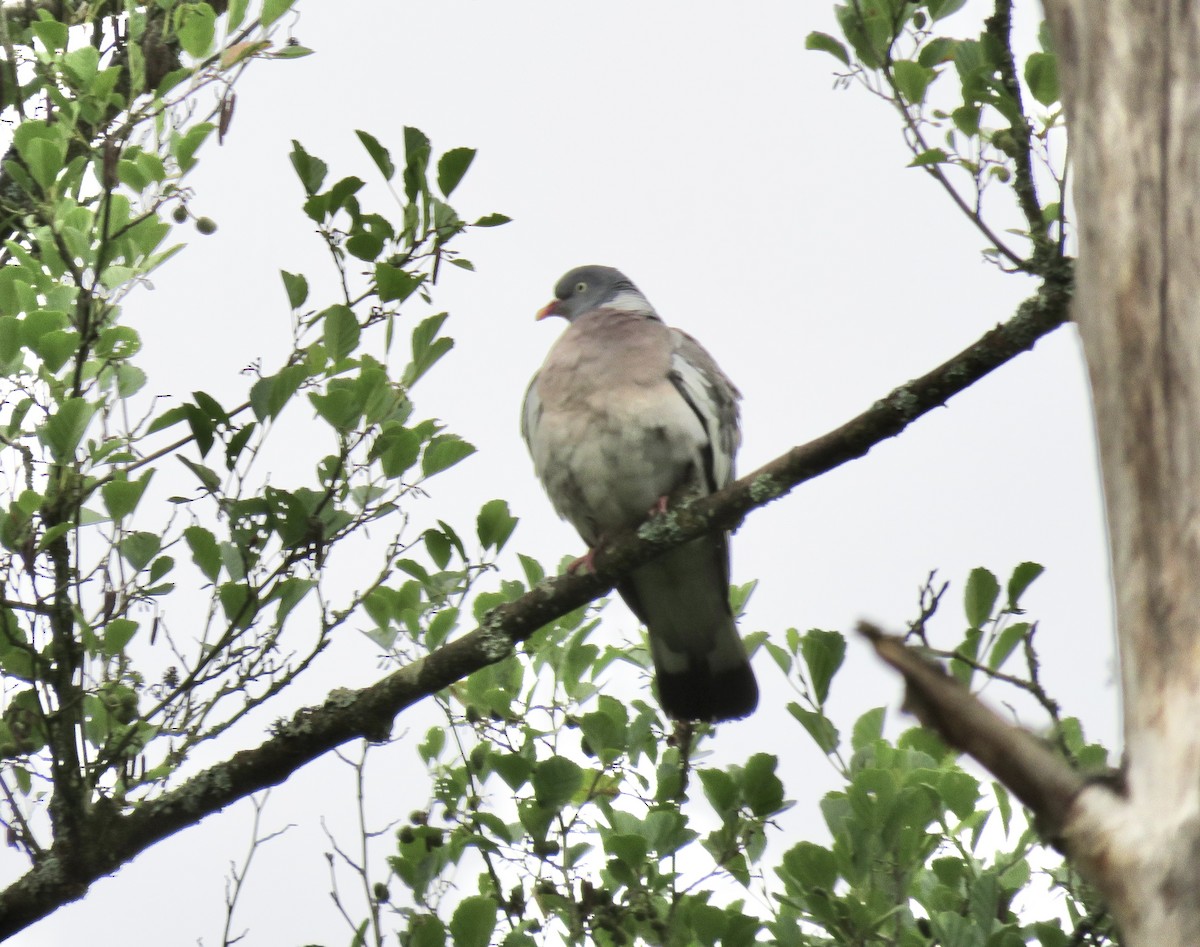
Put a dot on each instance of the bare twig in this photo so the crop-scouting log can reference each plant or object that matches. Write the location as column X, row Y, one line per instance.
column 237, row 876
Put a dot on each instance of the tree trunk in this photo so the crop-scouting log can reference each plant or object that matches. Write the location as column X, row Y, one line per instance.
column 1130, row 70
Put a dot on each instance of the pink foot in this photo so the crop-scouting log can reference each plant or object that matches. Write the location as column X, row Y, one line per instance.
column 587, row 561
column 660, row 507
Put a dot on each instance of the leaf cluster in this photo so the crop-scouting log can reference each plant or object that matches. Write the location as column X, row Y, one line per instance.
column 966, row 121
column 563, row 812
column 106, row 690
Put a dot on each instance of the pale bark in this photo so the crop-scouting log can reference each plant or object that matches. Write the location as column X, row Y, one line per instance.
column 1131, row 72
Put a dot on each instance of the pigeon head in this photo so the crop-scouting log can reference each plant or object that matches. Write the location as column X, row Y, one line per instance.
column 594, row 287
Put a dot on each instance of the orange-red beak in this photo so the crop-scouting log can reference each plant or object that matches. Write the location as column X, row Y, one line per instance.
column 550, row 309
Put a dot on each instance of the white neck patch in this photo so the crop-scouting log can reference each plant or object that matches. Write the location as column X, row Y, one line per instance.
column 630, row 301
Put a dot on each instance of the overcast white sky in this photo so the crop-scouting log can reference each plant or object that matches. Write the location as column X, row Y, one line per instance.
column 699, row 148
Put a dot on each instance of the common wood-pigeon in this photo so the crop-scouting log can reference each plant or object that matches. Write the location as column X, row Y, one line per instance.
column 626, row 416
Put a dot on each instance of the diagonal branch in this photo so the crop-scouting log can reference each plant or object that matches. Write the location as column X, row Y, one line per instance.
column 1037, row 775
column 369, row 713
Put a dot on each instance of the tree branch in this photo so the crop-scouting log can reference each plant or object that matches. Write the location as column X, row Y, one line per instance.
column 369, row 713
column 1038, row 776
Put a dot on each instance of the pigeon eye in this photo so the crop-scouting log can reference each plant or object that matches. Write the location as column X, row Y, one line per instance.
column 580, row 287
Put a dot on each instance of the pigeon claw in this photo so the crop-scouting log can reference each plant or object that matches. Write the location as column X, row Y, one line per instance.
column 587, row 561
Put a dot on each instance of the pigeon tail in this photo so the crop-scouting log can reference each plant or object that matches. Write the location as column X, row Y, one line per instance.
column 700, row 694
column 682, row 597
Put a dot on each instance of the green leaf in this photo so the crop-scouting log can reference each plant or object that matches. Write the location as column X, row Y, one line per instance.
column 868, row 26
column 202, row 428
column 237, row 443
column 940, row 9
column 912, row 79
column 416, row 158
column 394, row 284
column 82, row 64
column 368, row 235
column 1004, row 804
column 168, row 418
column 339, row 196
column 205, row 552
column 237, row 603
column 296, row 286
column 274, row 9
column 289, row 593
column 1041, row 73
column 932, row 156
column 118, row 342
column 966, row 119
column 341, row 331
column 121, row 497
column 39, row 323
column 64, row 430
column 56, row 347
column 719, row 789
column 396, row 448
column 555, row 781
column 980, row 596
column 269, row 395
column 1006, row 642
column 438, row 547
column 811, row 865
column 867, row 729
column 208, row 476
column 937, row 51
column 130, row 380
column 1021, row 578
column 823, row 42
column 52, row 33
column 236, row 14
column 117, row 634
column 292, row 52
column 492, row 220
column 513, row 769
column 310, row 170
column 823, row 653
column 451, row 168
column 960, row 791
column 159, row 568
column 53, row 533
column 139, row 548
column 427, row 347
column 819, row 727
column 426, row 930
column 185, row 146
column 534, row 572
column 495, row 524
column 379, row 154
column 339, row 408
column 43, row 154
column 473, row 922
column 627, row 847
column 443, row 452
column 195, row 27
column 761, row 788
